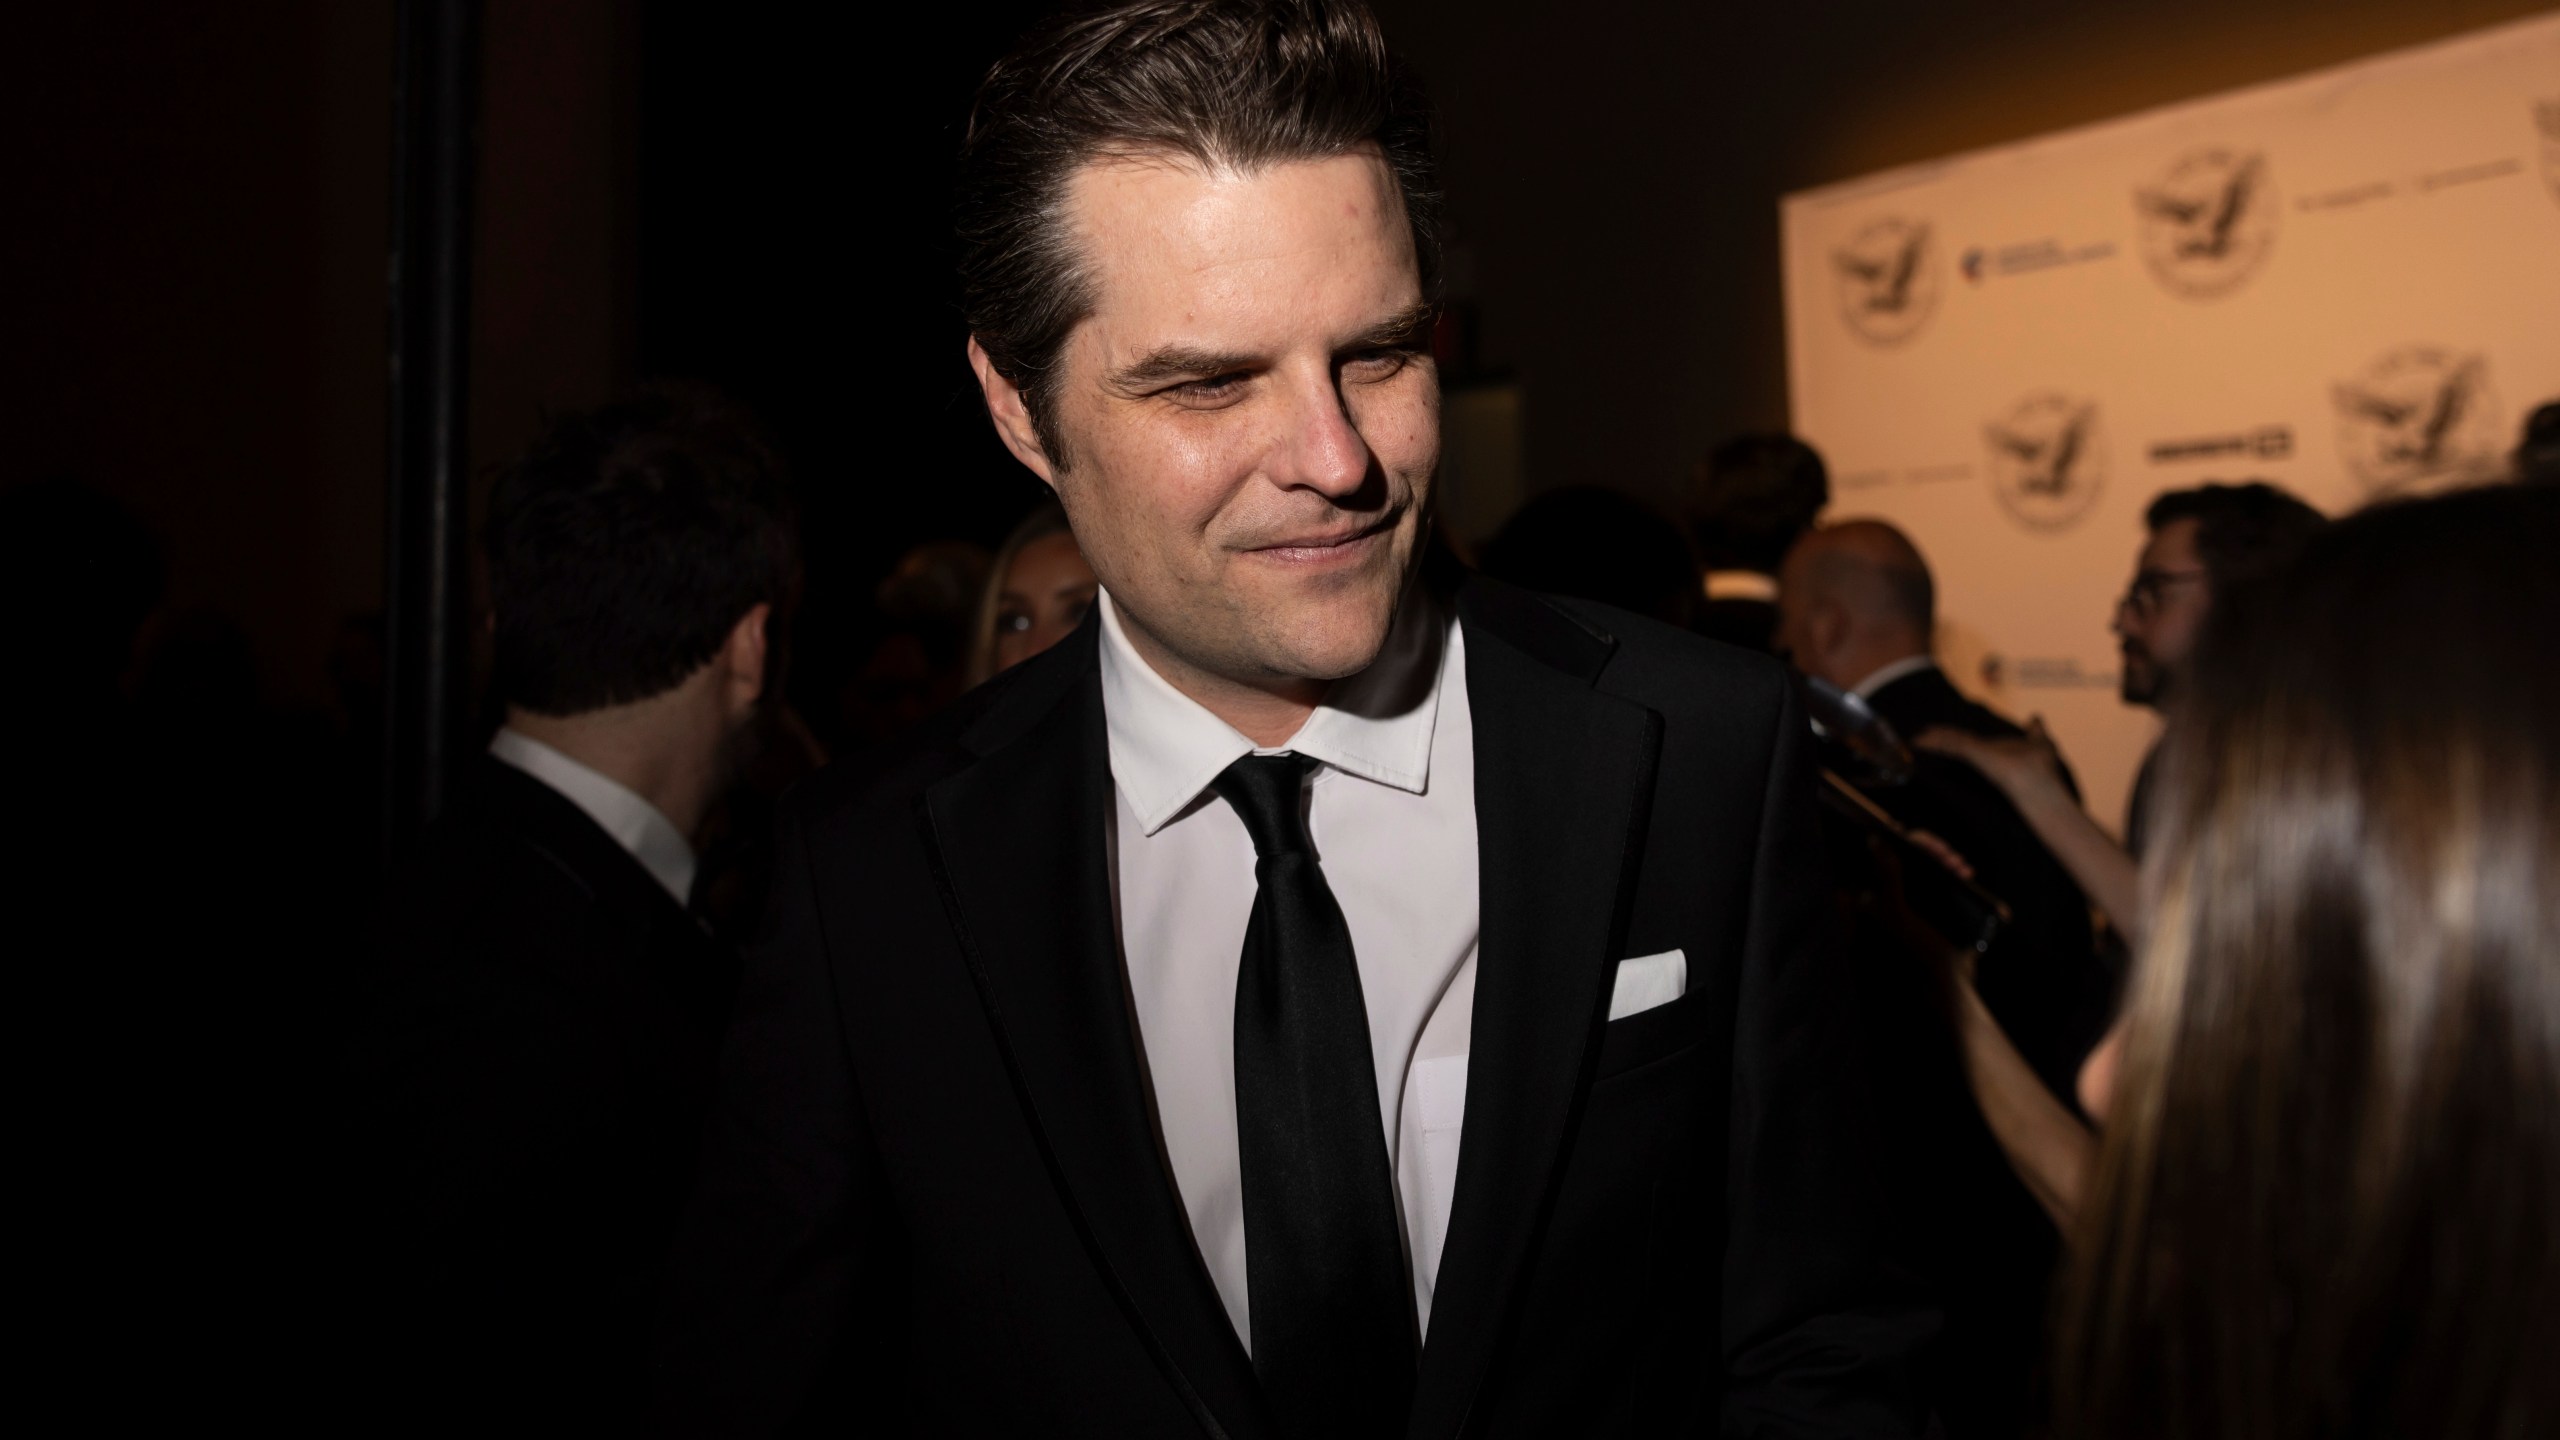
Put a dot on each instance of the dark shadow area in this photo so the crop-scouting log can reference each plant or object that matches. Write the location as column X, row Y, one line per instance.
column 793, row 244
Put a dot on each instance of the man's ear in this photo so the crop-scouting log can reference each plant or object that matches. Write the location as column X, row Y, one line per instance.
column 1826, row 627
column 742, row 661
column 1012, row 417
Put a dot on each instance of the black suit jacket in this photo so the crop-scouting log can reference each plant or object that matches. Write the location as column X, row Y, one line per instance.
column 546, row 1042
column 933, row 1167
column 2042, row 979
column 1967, row 1224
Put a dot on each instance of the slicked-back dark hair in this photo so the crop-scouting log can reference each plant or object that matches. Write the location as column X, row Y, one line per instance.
column 627, row 543
column 1227, row 84
column 2244, row 532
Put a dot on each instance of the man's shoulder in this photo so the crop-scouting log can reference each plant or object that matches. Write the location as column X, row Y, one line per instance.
column 515, row 878
column 505, row 838
column 1929, row 697
column 1677, row 672
column 859, row 791
column 1982, row 720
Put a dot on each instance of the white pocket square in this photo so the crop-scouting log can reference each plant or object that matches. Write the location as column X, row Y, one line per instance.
column 1645, row 981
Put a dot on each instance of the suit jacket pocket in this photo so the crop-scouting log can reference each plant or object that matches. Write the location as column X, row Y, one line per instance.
column 1650, row 1035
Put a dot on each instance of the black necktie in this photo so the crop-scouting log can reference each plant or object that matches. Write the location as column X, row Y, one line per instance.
column 1332, row 1311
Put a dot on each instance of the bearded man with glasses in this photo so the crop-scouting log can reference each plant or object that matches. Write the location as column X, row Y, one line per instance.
column 2207, row 545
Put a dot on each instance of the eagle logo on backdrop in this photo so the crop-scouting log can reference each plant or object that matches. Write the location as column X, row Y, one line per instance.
column 2546, row 117
column 1888, row 277
column 2047, row 460
column 2209, row 222
column 2419, row 417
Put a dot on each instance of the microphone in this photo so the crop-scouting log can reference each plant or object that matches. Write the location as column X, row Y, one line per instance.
column 1956, row 907
column 1866, row 735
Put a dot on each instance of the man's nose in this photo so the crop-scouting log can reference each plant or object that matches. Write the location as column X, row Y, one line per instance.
column 1324, row 450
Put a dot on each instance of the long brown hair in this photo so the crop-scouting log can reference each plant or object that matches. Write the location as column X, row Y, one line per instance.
column 2328, row 1195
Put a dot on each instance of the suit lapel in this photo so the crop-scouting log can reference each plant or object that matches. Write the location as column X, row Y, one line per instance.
column 1019, row 838
column 1917, row 701
column 1564, row 775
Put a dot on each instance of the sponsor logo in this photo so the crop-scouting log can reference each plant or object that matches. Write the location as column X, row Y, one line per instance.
column 2499, row 169
column 2267, row 442
column 2546, row 118
column 1888, row 275
column 2047, row 460
column 2209, row 222
column 2348, row 197
column 2419, row 416
column 2043, row 672
column 2030, row 257
column 1937, row 474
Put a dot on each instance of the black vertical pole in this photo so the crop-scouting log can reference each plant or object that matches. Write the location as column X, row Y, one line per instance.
column 435, row 119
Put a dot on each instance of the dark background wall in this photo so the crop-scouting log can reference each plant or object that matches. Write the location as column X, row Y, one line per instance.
column 191, row 272
column 793, row 203
column 191, row 280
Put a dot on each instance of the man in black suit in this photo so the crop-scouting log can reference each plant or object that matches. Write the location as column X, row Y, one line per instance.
column 1749, row 502
column 1308, row 1001
column 553, row 1010
column 1857, row 607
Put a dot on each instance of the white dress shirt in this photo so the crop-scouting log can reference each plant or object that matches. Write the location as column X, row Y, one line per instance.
column 634, row 823
column 1392, row 812
column 1740, row 585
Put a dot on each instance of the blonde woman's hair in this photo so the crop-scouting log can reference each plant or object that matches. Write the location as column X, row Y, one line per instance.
column 1046, row 519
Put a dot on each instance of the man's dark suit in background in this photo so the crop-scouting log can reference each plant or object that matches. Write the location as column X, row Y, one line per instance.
column 933, row 1163
column 1969, row 1226
column 551, row 1026
column 551, row 1013
column 2042, row 979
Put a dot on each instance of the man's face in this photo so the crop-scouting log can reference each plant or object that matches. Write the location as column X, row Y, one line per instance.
column 1250, row 416
column 2162, row 613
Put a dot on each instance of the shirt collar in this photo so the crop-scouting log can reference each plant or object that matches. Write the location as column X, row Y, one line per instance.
column 633, row 823
column 1908, row 665
column 1167, row 747
column 1740, row 585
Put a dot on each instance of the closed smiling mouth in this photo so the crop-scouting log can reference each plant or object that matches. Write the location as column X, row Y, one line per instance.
column 1335, row 544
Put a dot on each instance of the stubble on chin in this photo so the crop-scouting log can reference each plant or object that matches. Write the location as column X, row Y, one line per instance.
column 1336, row 634
column 2139, row 686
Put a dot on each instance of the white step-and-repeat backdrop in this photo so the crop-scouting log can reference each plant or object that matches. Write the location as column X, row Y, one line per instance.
column 2346, row 283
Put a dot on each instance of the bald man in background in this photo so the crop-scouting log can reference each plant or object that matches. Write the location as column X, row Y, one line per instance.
column 1857, row 607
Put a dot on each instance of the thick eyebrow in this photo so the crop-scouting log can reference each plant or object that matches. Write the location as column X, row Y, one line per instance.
column 1175, row 362
column 1406, row 328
